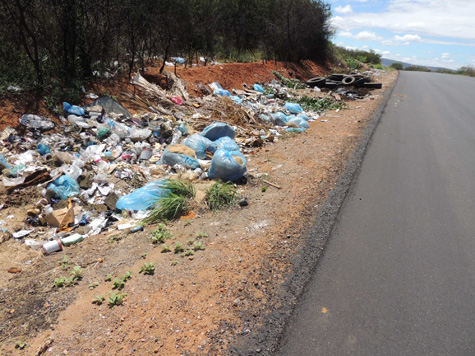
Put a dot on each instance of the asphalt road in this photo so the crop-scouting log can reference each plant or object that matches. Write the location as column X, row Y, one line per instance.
column 398, row 274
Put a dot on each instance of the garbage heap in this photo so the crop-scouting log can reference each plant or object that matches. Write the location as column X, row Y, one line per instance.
column 101, row 167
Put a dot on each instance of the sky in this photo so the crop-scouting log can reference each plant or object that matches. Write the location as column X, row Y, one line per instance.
column 437, row 33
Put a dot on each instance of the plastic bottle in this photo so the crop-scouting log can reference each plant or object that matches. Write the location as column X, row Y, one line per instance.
column 73, row 239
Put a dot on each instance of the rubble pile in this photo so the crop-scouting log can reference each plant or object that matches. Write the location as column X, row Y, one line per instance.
column 101, row 167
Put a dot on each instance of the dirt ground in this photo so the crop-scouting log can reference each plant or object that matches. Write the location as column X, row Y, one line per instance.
column 195, row 305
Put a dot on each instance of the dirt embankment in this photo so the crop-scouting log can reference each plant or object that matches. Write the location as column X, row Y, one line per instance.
column 196, row 305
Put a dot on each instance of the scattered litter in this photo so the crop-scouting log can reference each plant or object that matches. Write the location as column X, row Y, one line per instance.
column 104, row 167
column 335, row 80
column 36, row 122
column 22, row 233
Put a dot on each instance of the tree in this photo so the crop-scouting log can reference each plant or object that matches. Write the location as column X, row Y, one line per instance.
column 397, row 66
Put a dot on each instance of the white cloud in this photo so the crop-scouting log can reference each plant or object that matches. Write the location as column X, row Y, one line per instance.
column 445, row 55
column 362, row 36
column 408, row 38
column 346, row 34
column 436, row 18
column 344, row 10
column 385, row 53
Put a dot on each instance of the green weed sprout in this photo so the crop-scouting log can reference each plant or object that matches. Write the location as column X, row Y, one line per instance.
column 160, row 234
column 147, row 268
column 118, row 284
column 179, row 247
column 99, row 299
column 77, row 273
column 116, row 299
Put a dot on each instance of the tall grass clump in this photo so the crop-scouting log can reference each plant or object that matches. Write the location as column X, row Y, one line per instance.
column 174, row 205
column 220, row 195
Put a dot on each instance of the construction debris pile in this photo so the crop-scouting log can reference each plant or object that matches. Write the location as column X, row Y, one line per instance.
column 85, row 171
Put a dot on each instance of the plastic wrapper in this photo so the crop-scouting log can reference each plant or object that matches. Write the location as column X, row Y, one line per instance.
column 64, row 187
column 43, row 149
column 74, row 109
column 103, row 132
column 78, row 121
column 236, row 99
column 258, row 88
column 36, row 122
column 183, row 129
column 143, row 198
column 177, row 100
column 72, row 171
column 137, row 134
column 222, row 92
column 217, row 130
column 4, row 162
column 293, row 108
column 299, row 122
column 265, row 117
column 279, row 118
column 227, row 165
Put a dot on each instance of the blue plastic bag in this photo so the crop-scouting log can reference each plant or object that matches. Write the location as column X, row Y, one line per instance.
column 17, row 169
column 236, row 99
column 293, row 108
column 279, row 118
column 199, row 144
column 265, row 117
column 74, row 109
column 222, row 92
column 3, row 161
column 180, row 60
column 299, row 122
column 183, row 129
column 224, row 143
column 43, row 149
column 258, row 88
column 143, row 198
column 227, row 165
column 217, row 130
column 303, row 116
column 64, row 187
column 172, row 158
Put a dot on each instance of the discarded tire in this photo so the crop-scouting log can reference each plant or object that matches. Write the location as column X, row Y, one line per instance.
column 314, row 82
column 373, row 85
column 336, row 77
column 348, row 80
column 359, row 82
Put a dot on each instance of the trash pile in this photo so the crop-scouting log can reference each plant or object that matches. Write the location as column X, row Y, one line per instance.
column 104, row 166
column 335, row 80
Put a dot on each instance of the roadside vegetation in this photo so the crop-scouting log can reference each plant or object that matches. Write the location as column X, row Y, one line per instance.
column 355, row 59
column 468, row 70
column 54, row 47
